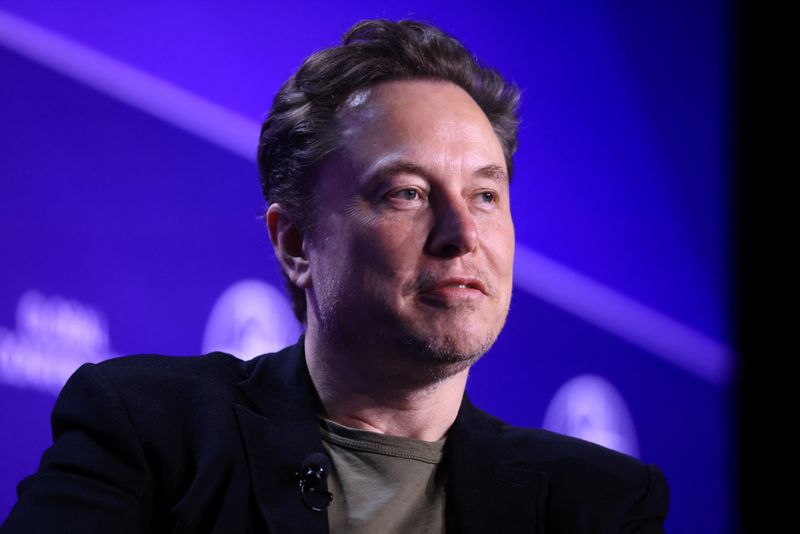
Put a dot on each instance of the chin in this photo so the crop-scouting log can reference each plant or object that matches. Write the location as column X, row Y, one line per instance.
column 448, row 354
column 460, row 336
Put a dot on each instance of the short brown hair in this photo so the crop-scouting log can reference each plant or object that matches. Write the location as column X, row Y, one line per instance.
column 300, row 131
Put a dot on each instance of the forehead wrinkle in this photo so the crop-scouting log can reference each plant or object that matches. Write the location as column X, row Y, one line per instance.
column 398, row 163
column 495, row 172
column 392, row 164
column 374, row 120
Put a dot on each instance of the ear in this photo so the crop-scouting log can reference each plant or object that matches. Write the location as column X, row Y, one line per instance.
column 288, row 241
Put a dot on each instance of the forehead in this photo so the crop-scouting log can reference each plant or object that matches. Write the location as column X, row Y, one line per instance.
column 424, row 119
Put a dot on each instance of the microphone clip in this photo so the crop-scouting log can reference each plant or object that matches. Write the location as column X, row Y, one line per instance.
column 312, row 480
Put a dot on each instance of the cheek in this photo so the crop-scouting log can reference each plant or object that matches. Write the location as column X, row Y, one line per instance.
column 393, row 243
column 499, row 242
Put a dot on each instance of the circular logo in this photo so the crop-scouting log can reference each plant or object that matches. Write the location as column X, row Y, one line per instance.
column 590, row 408
column 251, row 317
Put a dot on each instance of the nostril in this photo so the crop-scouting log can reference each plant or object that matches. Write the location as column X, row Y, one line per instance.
column 454, row 231
column 450, row 251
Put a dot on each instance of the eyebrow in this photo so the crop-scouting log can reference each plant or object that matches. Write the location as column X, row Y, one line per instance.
column 494, row 172
column 398, row 166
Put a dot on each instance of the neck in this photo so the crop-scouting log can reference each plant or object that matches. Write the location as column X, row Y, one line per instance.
column 380, row 392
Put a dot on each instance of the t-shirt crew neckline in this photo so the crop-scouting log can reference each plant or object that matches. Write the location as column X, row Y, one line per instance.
column 383, row 444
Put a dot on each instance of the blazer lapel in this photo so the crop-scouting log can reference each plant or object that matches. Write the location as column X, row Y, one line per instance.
column 280, row 430
column 488, row 488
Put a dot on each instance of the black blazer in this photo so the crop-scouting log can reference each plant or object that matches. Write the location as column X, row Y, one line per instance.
column 212, row 444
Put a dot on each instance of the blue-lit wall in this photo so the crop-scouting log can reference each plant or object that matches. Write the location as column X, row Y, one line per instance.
column 129, row 203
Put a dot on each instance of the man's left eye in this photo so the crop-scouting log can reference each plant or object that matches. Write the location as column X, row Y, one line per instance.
column 487, row 196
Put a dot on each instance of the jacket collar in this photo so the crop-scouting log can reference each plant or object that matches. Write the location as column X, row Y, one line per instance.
column 280, row 429
column 488, row 486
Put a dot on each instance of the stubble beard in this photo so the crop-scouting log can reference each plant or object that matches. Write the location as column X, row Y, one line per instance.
column 443, row 358
column 409, row 357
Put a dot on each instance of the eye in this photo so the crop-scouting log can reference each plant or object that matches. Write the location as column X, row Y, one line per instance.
column 488, row 197
column 406, row 194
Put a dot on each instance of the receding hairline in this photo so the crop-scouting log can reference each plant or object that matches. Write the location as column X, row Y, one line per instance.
column 354, row 105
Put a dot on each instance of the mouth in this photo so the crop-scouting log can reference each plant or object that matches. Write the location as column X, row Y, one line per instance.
column 454, row 289
column 457, row 283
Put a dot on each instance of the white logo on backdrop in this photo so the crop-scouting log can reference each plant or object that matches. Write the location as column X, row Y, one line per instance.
column 53, row 337
column 250, row 318
column 590, row 408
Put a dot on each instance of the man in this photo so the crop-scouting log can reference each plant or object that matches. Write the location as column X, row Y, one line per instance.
column 386, row 164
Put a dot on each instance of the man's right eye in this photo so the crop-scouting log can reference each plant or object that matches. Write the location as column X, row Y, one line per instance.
column 409, row 194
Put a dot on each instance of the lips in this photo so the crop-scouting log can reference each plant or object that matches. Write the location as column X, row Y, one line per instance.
column 453, row 284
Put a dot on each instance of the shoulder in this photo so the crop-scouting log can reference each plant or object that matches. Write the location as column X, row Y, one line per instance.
column 564, row 455
column 586, row 478
column 567, row 458
column 216, row 368
column 157, row 390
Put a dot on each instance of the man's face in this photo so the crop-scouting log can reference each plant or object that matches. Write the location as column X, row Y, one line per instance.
column 413, row 245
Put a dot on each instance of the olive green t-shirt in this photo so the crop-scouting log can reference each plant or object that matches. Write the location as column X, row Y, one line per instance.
column 383, row 483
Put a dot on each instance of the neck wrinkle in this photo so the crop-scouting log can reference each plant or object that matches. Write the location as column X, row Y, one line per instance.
column 374, row 402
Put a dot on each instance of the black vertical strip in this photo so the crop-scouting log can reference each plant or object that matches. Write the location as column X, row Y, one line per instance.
column 768, row 235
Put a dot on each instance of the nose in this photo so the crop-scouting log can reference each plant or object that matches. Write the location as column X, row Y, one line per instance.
column 454, row 232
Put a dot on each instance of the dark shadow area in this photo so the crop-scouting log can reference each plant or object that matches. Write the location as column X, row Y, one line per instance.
column 767, row 161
